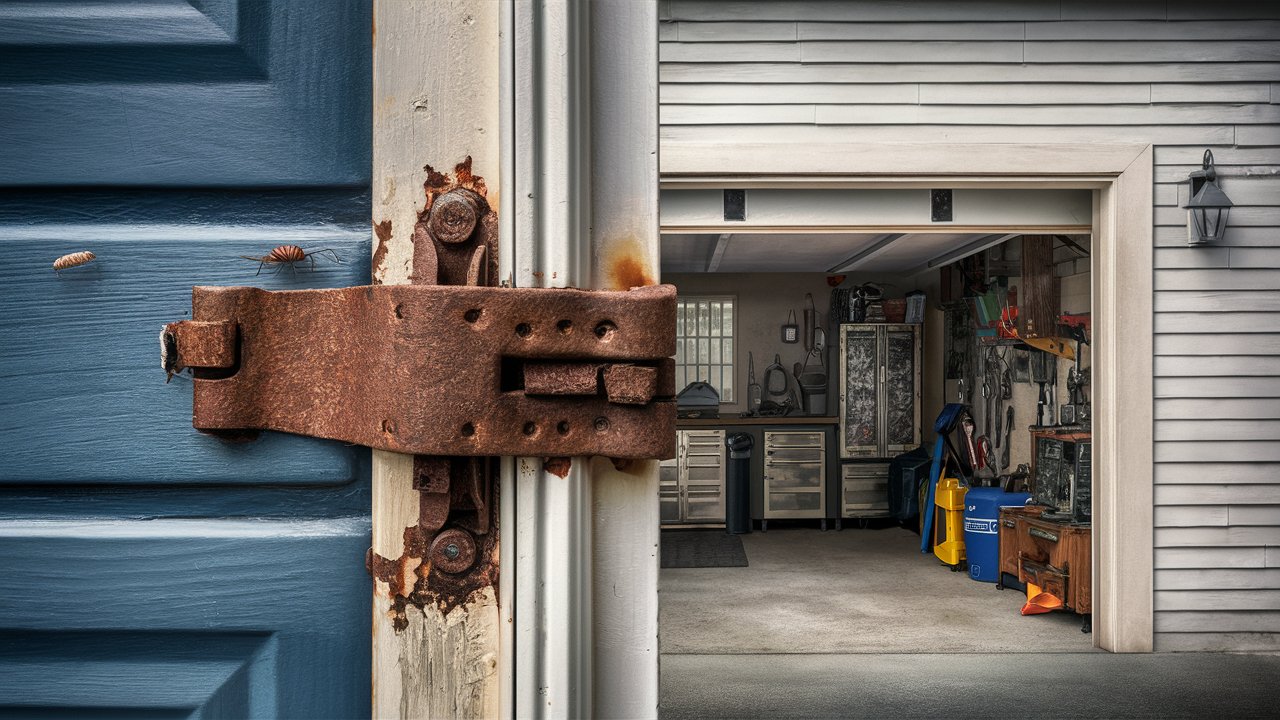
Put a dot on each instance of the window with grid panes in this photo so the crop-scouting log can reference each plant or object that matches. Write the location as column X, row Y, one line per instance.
column 704, row 343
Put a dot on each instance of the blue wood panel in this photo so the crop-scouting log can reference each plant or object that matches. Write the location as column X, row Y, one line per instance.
column 166, row 93
column 85, row 400
column 146, row 570
column 205, row 618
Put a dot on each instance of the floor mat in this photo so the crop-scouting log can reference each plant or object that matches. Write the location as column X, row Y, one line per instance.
column 702, row 549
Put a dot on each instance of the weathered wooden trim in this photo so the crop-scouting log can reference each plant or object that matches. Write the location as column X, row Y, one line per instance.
column 1123, row 280
column 435, row 103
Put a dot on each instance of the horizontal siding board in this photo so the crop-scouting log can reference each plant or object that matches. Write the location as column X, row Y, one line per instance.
column 1226, row 173
column 1223, row 344
column 1229, row 493
column 1256, row 257
column 1216, row 279
column 877, row 11
column 1198, row 429
column 1236, row 237
column 1273, row 557
column 728, row 52
column 1113, row 10
column 740, row 94
column 1223, row 579
column 733, row 114
column 1196, row 473
column 1241, row 10
column 1178, row 387
column 1211, row 93
column 1253, row 515
column 1217, row 599
column 1259, row 135
column 1261, row 216
column 672, row 136
column 1222, row 155
column 1034, row 93
column 1129, row 30
column 760, row 70
column 1217, row 451
column 1218, row 301
column 1217, row 642
column 1218, row 621
column 1201, row 366
column 735, row 31
column 937, row 51
column 1241, row 536
column 1009, row 31
column 1137, row 50
column 979, row 114
column 1210, row 558
column 1190, row 516
column 1215, row 322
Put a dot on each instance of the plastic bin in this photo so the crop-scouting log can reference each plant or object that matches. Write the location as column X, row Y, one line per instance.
column 982, row 529
column 737, row 516
column 813, row 388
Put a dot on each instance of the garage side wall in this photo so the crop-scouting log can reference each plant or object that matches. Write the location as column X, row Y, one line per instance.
column 1181, row 76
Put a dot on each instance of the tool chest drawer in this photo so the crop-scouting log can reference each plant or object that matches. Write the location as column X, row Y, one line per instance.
column 864, row 490
column 794, row 474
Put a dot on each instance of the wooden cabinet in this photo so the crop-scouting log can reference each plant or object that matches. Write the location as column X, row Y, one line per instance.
column 879, row 389
column 691, row 486
column 1055, row 555
column 794, row 474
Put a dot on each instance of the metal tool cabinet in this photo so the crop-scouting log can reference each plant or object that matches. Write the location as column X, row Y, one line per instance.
column 879, row 389
column 692, row 484
column 864, row 490
column 794, row 475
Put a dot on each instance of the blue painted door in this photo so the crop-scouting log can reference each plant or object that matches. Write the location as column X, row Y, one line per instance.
column 147, row 570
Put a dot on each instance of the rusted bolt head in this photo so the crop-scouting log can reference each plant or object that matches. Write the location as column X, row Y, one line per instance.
column 453, row 551
column 602, row 423
column 454, row 216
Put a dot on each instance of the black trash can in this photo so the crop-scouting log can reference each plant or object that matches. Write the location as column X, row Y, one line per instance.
column 737, row 492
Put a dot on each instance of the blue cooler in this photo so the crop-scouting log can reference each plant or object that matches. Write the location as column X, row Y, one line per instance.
column 982, row 529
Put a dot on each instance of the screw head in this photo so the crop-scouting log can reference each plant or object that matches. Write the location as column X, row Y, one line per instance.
column 453, row 551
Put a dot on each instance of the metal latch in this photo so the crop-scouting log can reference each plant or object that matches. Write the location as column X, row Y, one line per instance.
column 437, row 370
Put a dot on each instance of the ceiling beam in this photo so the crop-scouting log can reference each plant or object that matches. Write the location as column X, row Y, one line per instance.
column 717, row 253
column 962, row 252
column 877, row 246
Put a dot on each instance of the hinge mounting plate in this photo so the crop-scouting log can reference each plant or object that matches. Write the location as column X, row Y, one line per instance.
column 437, row 370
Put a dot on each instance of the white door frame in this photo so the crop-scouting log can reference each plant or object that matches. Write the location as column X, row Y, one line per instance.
column 1123, row 280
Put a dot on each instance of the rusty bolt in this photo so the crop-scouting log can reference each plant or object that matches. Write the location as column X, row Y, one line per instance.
column 453, row 551
column 602, row 423
column 454, row 216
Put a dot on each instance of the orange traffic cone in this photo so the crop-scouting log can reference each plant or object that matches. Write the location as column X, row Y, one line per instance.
column 1039, row 601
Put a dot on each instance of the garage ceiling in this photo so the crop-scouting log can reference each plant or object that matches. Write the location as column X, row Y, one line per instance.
column 892, row 253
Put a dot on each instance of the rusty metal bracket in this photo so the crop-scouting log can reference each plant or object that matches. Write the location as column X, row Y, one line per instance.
column 437, row 370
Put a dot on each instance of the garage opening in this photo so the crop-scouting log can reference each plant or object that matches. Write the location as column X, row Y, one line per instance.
column 824, row 337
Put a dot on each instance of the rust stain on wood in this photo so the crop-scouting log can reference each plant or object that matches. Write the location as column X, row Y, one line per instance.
column 558, row 466
column 626, row 265
column 382, row 231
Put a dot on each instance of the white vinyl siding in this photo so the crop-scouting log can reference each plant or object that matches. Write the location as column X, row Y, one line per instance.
column 1181, row 75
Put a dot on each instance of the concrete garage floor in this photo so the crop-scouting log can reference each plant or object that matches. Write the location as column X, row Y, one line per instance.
column 851, row 591
column 858, row 624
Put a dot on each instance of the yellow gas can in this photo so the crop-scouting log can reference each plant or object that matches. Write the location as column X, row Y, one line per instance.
column 948, row 521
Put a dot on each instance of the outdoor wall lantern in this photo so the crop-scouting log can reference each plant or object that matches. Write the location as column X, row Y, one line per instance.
column 1208, row 208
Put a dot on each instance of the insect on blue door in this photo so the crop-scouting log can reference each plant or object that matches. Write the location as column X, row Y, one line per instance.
column 289, row 256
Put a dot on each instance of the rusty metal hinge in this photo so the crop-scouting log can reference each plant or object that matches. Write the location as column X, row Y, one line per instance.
column 437, row 370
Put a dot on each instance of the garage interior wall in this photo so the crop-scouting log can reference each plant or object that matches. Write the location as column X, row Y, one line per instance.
column 1182, row 76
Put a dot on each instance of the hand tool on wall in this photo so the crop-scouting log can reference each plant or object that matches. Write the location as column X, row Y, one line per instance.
column 754, row 392
column 1008, row 435
column 1041, row 374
